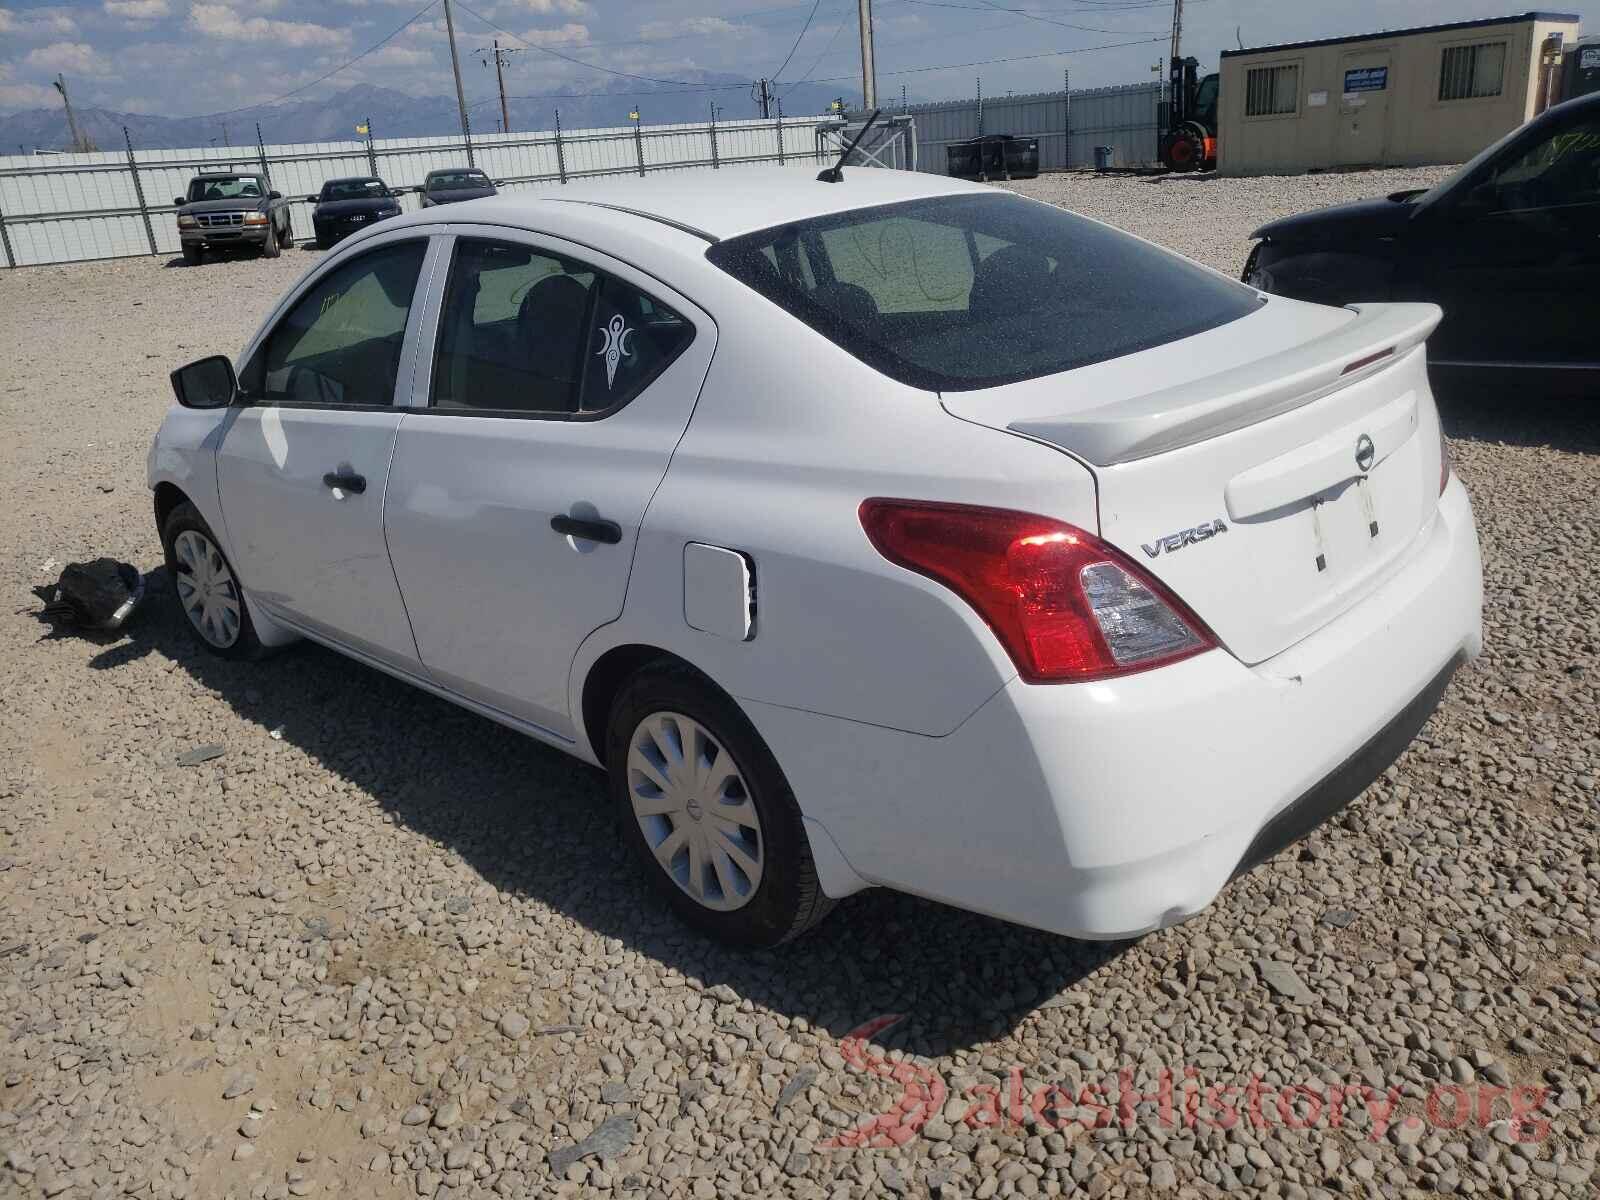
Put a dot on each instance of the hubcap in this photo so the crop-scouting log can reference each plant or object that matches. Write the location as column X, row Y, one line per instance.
column 206, row 589
column 694, row 810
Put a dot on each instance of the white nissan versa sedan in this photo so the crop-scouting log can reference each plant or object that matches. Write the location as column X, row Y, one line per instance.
column 889, row 531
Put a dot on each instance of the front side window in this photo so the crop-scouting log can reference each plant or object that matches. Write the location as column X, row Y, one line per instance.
column 340, row 343
column 524, row 330
column 1560, row 168
column 955, row 293
column 1271, row 91
column 1470, row 72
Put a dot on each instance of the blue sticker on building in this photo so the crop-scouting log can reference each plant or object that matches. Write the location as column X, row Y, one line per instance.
column 1366, row 79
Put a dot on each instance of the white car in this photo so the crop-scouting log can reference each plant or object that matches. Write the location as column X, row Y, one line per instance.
column 889, row 531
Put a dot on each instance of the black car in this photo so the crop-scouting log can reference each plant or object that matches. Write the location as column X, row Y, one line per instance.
column 346, row 206
column 455, row 184
column 1508, row 246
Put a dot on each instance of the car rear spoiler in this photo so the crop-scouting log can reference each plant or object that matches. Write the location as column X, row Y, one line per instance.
column 1156, row 422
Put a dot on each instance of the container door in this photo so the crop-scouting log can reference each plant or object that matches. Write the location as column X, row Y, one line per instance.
column 1363, row 108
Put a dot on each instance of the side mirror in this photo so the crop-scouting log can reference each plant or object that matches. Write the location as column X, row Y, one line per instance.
column 177, row 202
column 206, row 383
column 274, row 195
column 311, row 199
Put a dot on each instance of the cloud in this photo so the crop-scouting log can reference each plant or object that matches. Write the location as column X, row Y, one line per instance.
column 76, row 57
column 570, row 34
column 692, row 26
column 137, row 10
column 516, row 8
column 36, row 21
column 22, row 95
column 221, row 21
column 399, row 56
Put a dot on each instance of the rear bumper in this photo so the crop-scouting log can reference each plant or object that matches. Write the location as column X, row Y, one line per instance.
column 1106, row 810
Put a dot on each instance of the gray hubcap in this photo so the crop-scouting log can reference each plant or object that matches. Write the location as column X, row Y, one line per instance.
column 206, row 589
column 694, row 810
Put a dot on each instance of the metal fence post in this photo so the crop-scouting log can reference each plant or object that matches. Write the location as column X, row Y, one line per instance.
column 715, row 164
column 638, row 142
column 561, row 157
column 372, row 156
column 5, row 241
column 261, row 156
column 780, row 133
column 138, row 191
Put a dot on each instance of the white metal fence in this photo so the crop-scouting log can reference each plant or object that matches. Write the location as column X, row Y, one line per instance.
column 72, row 207
column 1069, row 125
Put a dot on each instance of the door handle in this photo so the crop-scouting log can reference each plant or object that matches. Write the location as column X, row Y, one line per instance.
column 347, row 481
column 608, row 532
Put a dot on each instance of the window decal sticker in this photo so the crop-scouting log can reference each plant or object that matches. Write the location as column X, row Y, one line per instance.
column 616, row 333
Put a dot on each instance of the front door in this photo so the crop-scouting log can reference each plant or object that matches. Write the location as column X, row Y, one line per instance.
column 1513, row 255
column 1363, row 108
column 301, row 469
column 559, row 387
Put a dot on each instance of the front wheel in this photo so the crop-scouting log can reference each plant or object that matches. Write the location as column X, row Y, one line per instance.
column 707, row 812
column 269, row 248
column 208, row 591
column 193, row 255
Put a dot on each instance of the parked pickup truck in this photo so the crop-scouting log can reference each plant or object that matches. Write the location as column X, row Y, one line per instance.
column 223, row 211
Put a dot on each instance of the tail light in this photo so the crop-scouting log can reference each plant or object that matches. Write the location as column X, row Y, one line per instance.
column 1444, row 461
column 1066, row 606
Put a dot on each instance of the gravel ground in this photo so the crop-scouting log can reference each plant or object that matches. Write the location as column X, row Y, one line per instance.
column 381, row 947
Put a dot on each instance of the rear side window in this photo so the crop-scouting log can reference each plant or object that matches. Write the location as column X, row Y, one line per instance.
column 956, row 293
column 527, row 331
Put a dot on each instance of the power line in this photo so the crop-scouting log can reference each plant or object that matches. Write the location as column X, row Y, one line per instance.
column 1022, row 12
column 804, row 29
column 817, row 62
column 321, row 78
column 985, row 62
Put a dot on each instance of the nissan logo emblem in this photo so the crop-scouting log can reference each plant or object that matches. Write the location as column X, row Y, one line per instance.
column 1366, row 452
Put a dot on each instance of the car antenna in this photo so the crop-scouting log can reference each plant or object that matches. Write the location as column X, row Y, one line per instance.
column 835, row 173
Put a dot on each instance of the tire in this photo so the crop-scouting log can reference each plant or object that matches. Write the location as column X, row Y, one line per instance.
column 323, row 243
column 191, row 547
column 193, row 255
column 669, row 708
column 269, row 248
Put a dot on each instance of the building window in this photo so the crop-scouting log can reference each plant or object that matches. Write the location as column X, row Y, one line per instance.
column 1468, row 72
column 1271, row 91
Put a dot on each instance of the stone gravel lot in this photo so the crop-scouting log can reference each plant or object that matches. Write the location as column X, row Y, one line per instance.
column 381, row 947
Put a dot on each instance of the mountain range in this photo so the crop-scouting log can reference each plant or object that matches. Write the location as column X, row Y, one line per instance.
column 394, row 114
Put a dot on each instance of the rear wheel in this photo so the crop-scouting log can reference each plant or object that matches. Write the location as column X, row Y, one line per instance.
column 707, row 812
column 208, row 591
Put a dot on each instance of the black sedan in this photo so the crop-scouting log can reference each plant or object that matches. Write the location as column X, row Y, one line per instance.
column 1509, row 246
column 455, row 184
column 346, row 206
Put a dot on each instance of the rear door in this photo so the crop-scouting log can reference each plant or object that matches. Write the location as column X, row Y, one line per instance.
column 557, row 384
column 301, row 468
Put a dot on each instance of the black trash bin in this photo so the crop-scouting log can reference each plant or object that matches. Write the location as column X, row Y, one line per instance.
column 1102, row 157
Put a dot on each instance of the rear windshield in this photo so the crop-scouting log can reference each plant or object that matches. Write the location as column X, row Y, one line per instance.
column 955, row 293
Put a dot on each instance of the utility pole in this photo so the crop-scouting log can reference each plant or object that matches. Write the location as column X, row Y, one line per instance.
column 461, row 96
column 764, row 98
column 869, row 62
column 1177, row 28
column 80, row 144
column 500, row 78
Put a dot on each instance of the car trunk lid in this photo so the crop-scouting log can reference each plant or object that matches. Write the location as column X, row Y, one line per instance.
column 1272, row 485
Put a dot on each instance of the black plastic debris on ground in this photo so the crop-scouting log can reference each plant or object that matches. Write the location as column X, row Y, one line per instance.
column 98, row 595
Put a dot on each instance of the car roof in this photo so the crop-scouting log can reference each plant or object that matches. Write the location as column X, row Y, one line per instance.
column 353, row 179
column 721, row 204
column 455, row 171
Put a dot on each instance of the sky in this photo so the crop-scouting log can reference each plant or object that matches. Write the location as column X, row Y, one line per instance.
column 192, row 57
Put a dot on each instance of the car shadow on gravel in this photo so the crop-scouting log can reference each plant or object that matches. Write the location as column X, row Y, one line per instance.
column 534, row 822
column 1570, row 423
